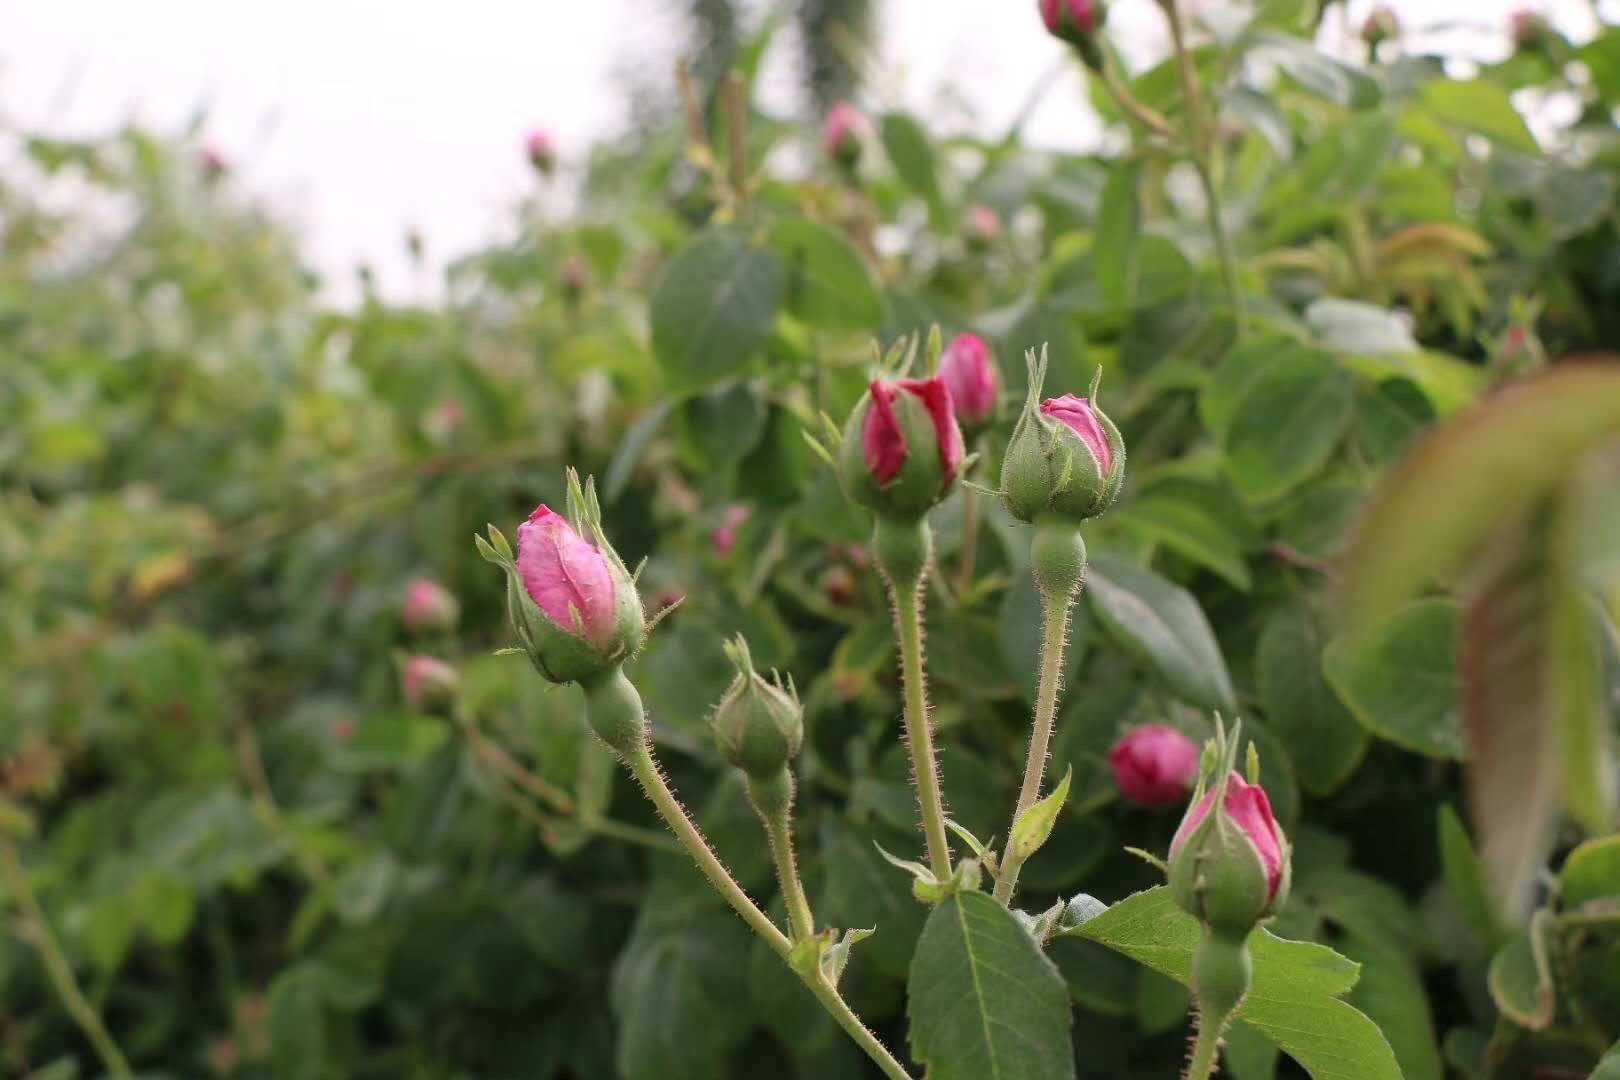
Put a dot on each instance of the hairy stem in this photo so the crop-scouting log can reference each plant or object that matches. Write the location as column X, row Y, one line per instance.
column 919, row 730
column 640, row 762
column 57, row 968
column 1201, row 140
column 1205, row 1051
column 834, row 1003
column 780, row 830
column 1054, row 633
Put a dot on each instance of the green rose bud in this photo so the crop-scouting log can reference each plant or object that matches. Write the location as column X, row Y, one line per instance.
column 759, row 724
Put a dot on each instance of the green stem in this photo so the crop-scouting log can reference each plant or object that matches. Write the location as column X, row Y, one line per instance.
column 919, row 730
column 57, row 968
column 970, row 541
column 1054, row 632
column 800, row 919
column 829, row 997
column 1205, row 1052
column 1201, row 140
column 641, row 764
column 1128, row 102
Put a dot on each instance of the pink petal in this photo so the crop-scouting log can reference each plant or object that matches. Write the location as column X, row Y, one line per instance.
column 882, row 441
column 564, row 573
column 1081, row 418
column 936, row 398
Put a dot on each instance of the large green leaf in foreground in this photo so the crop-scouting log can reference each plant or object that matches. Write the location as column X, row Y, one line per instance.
column 1294, row 1001
column 986, row 1004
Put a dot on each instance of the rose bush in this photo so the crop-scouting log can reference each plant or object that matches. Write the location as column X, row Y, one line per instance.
column 268, row 809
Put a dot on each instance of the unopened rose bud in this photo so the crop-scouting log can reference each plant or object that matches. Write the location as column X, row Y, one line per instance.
column 429, row 683
column 1077, row 22
column 570, row 597
column 975, row 384
column 1530, row 30
column 902, row 447
column 983, row 225
column 1229, row 866
column 575, row 277
column 759, row 723
column 429, row 608
column 1065, row 460
column 842, row 134
column 724, row 538
column 838, row 586
column 213, row 163
column 1154, row 765
column 542, row 152
column 1381, row 25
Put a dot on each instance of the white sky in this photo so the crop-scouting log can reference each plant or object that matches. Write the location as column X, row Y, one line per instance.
column 360, row 118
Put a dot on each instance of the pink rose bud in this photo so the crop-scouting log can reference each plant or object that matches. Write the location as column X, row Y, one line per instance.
column 1065, row 459
column 542, row 152
column 213, row 163
column 571, row 599
column 902, row 447
column 969, row 370
column 1077, row 22
column 983, row 224
column 724, row 538
column 842, row 133
column 1249, row 809
column 429, row 683
column 1530, row 29
column 1081, row 418
column 566, row 576
column 1154, row 765
column 429, row 608
column 1381, row 25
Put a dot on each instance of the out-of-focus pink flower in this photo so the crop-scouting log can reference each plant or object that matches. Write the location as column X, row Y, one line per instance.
column 724, row 538
column 541, row 150
column 1249, row 809
column 429, row 682
column 568, row 579
column 444, row 418
column 969, row 370
column 1529, row 28
column 213, row 162
column 1154, row 765
column 842, row 133
column 1078, row 415
column 429, row 607
column 1381, row 25
column 1071, row 19
column 983, row 223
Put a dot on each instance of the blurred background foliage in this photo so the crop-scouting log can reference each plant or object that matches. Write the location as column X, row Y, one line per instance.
column 258, row 860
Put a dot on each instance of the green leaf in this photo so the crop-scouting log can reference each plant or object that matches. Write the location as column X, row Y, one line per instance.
column 828, row 283
column 1609, row 1067
column 1591, row 872
column 1288, row 423
column 297, row 1025
column 713, row 307
column 1118, row 224
column 1399, row 679
column 863, row 892
column 1482, row 107
column 1198, row 520
column 680, row 992
column 985, row 1004
column 1162, row 623
column 1465, row 877
column 1520, row 978
column 1034, row 826
column 1390, row 992
column 1323, row 739
column 1294, row 999
column 912, row 156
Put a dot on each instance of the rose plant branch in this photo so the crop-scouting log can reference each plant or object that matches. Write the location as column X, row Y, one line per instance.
column 577, row 613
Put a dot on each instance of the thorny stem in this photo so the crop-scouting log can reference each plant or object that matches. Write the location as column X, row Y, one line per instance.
column 1201, row 140
column 919, row 730
column 641, row 764
column 57, row 968
column 1054, row 633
